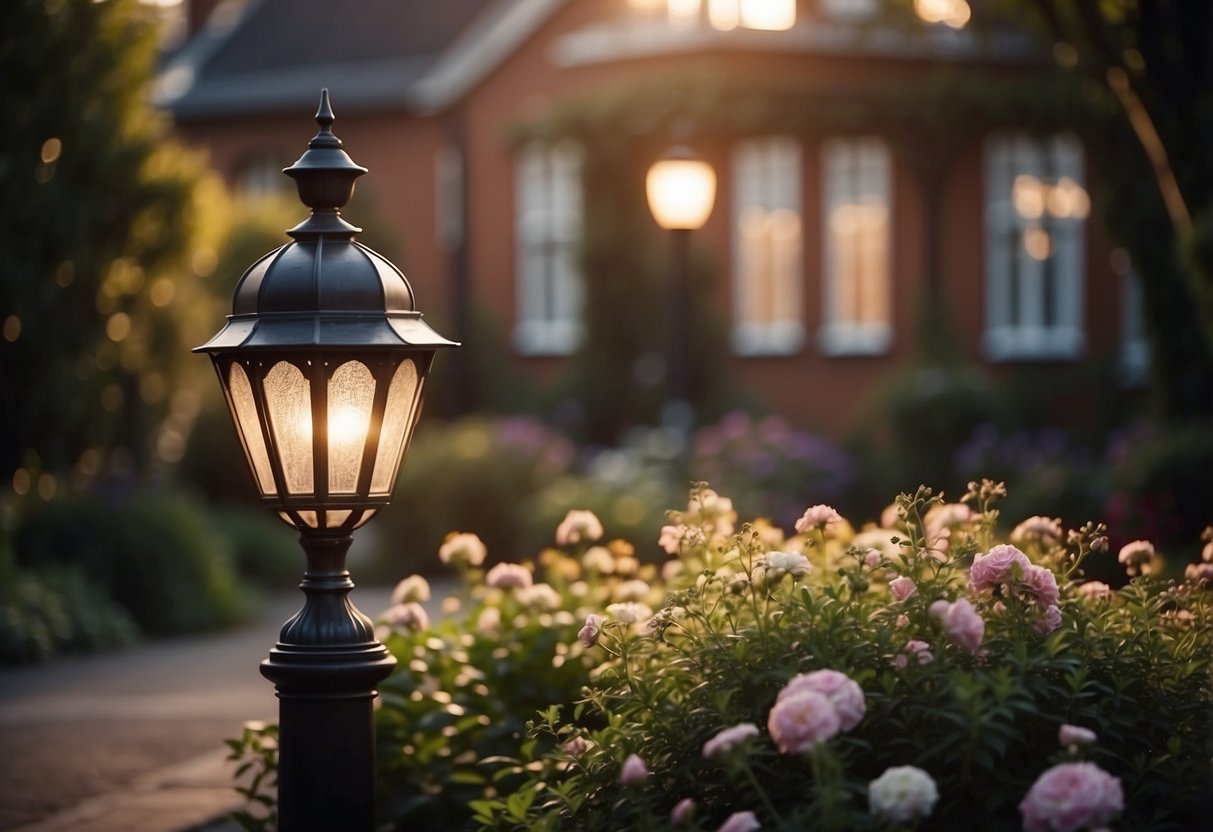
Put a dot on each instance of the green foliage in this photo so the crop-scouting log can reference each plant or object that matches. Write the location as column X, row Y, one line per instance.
column 1134, row 666
column 263, row 549
column 57, row 610
column 98, row 211
column 155, row 554
column 256, row 749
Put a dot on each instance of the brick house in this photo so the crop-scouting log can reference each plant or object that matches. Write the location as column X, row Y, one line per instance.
column 840, row 203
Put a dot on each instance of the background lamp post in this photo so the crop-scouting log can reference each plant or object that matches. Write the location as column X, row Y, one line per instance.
column 322, row 362
column 681, row 190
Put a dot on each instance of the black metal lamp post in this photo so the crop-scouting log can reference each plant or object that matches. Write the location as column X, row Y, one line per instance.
column 322, row 361
column 681, row 190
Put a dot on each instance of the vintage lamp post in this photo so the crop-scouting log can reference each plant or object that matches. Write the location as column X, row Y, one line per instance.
column 681, row 190
column 322, row 362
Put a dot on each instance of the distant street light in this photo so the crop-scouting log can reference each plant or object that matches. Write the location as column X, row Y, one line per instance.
column 681, row 190
column 322, row 362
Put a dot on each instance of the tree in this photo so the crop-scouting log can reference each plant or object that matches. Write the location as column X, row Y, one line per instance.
column 1148, row 68
column 104, row 247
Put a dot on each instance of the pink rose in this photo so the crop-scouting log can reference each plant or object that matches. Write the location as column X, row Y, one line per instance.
column 802, row 720
column 817, row 517
column 740, row 822
column 633, row 772
column 1041, row 583
column 996, row 567
column 729, row 739
column 1094, row 589
column 961, row 623
column 1071, row 796
column 1048, row 622
column 682, row 813
column 1068, row 735
column 841, row 690
column 902, row 588
column 508, row 576
column 588, row 635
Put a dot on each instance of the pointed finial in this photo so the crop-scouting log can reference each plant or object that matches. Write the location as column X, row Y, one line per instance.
column 324, row 115
column 325, row 176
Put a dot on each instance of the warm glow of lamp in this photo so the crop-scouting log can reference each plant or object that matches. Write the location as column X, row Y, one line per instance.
column 773, row 15
column 681, row 191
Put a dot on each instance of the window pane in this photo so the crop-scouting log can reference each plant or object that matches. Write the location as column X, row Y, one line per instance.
column 398, row 419
column 289, row 401
column 351, row 396
column 245, row 413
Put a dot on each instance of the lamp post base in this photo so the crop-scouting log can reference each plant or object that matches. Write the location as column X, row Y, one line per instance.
column 325, row 667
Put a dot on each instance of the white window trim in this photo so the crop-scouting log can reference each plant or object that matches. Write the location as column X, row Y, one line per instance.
column 534, row 336
column 751, row 339
column 1026, row 340
column 835, row 338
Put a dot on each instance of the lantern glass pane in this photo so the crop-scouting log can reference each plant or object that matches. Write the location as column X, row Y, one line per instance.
column 289, row 401
column 308, row 518
column 366, row 515
column 244, row 411
column 333, row 519
column 351, row 396
column 398, row 419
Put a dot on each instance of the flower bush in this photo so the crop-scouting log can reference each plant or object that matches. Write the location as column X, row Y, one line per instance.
column 921, row 673
column 999, row 694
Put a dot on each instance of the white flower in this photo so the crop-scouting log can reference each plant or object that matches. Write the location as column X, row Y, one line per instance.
column 902, row 793
column 598, row 559
column 462, row 549
column 779, row 564
column 508, row 576
column 632, row 590
column 578, row 525
column 412, row 588
column 817, row 517
column 410, row 616
column 539, row 597
column 1045, row 529
column 629, row 612
column 489, row 621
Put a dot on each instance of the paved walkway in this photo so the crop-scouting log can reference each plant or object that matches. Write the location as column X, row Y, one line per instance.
column 133, row 741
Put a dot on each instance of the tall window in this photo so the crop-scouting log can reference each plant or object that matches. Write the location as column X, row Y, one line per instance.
column 856, row 204
column 767, row 247
column 1036, row 209
column 548, row 217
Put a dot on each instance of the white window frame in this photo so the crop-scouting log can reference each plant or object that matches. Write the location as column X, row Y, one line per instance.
column 548, row 222
column 856, row 173
column 1034, row 307
column 767, row 175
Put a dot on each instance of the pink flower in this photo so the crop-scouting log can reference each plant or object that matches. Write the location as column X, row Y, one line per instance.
column 1071, row 796
column 508, row 576
column 841, row 690
column 1094, row 589
column 1048, row 622
column 961, row 623
column 578, row 525
column 1068, row 735
column 799, row 722
column 728, row 739
column 1045, row 529
column 577, row 746
column 817, row 517
column 1206, row 554
column 1199, row 573
column 902, row 621
column 900, row 661
column 633, row 772
column 412, row 588
column 588, row 635
column 1137, row 556
column 996, row 567
column 489, row 621
column 671, row 538
column 410, row 616
column 902, row 793
column 871, row 558
column 919, row 649
column 462, row 549
column 682, row 813
column 740, row 822
column 1040, row 582
column 902, row 588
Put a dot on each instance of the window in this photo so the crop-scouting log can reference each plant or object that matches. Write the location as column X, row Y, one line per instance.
column 856, row 242
column 847, row 10
column 767, row 247
column 548, row 203
column 1036, row 208
column 1134, row 347
column 448, row 197
column 261, row 176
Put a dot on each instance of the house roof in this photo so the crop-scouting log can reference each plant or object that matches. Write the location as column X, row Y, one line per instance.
column 273, row 55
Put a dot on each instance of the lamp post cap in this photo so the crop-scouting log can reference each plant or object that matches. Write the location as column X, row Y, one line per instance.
column 325, row 176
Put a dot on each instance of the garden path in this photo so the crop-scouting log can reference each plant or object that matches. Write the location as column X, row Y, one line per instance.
column 133, row 740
